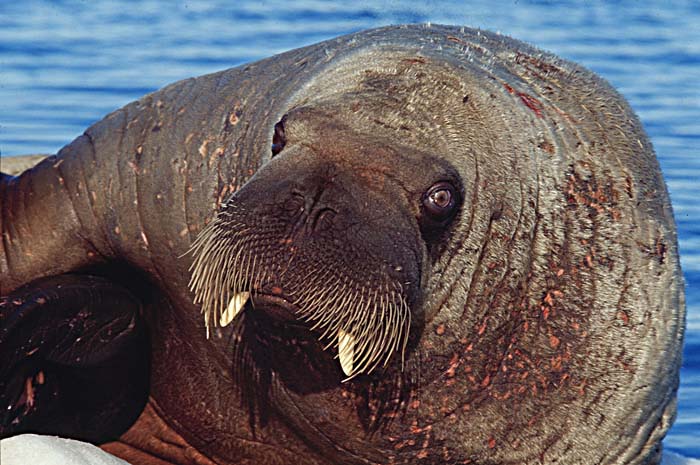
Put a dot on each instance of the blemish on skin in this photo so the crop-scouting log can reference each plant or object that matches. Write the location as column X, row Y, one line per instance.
column 532, row 103
column 183, row 232
column 660, row 250
column 203, row 149
column 414, row 60
column 528, row 100
column 624, row 317
column 215, row 155
column 548, row 299
column 547, row 147
column 235, row 116
column 58, row 163
column 117, row 230
column 545, row 312
column 29, row 392
column 483, row 327
column 440, row 330
column 454, row 364
column 143, row 237
column 554, row 341
column 220, row 197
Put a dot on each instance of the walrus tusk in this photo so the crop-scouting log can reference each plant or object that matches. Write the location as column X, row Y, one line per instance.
column 234, row 308
column 346, row 351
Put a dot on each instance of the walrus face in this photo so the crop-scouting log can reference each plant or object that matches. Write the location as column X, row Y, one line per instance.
column 326, row 240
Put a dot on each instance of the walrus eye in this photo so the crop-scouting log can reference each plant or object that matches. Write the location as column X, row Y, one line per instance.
column 279, row 139
column 440, row 201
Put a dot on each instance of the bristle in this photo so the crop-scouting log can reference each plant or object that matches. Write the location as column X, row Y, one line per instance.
column 226, row 263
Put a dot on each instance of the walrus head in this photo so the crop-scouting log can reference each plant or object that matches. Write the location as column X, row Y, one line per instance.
column 327, row 234
column 453, row 235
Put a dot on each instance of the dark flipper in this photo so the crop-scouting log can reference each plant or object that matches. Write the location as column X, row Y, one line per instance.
column 74, row 361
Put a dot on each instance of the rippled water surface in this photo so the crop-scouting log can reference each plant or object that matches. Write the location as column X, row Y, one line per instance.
column 65, row 64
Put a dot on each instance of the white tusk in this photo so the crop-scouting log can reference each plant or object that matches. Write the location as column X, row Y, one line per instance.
column 346, row 351
column 234, row 308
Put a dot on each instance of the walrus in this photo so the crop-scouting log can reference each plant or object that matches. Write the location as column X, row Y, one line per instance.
column 413, row 244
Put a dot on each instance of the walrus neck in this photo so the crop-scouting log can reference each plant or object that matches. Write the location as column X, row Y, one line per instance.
column 152, row 441
column 56, row 219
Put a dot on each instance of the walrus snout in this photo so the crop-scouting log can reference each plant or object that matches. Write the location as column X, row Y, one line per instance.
column 351, row 273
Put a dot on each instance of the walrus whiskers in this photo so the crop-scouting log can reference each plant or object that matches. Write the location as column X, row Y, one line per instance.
column 366, row 325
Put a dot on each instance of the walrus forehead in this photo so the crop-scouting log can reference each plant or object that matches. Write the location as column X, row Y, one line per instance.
column 325, row 137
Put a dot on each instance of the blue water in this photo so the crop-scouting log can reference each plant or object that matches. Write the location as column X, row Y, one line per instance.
column 65, row 64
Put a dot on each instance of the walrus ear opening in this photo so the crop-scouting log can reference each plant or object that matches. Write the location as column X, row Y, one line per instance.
column 279, row 139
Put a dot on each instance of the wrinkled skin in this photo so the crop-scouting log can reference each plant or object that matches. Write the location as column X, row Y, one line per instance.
column 546, row 313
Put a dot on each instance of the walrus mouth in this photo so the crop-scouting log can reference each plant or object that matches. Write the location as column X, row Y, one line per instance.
column 365, row 322
column 282, row 309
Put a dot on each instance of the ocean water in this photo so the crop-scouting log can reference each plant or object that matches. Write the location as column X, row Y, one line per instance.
column 65, row 64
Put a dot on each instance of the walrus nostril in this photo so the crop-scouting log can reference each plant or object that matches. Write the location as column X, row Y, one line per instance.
column 294, row 205
column 323, row 220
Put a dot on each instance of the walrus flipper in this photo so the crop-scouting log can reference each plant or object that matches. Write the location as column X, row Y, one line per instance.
column 73, row 358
